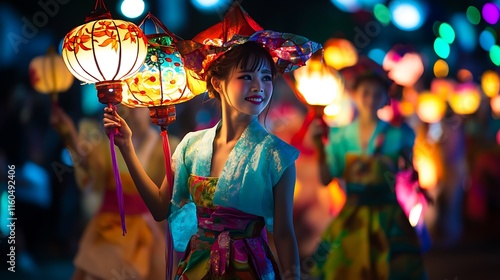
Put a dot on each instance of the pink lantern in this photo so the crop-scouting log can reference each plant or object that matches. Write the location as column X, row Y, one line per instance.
column 404, row 65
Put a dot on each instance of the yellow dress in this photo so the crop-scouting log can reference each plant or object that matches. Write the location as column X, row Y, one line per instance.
column 103, row 252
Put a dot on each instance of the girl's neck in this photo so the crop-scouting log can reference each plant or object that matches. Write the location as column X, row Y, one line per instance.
column 367, row 118
column 232, row 126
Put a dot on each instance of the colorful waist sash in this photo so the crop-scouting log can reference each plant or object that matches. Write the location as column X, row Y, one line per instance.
column 228, row 228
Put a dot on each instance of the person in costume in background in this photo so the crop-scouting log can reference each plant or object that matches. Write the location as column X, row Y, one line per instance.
column 372, row 237
column 238, row 175
column 103, row 252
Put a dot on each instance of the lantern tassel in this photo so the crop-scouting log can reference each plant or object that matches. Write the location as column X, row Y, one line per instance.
column 170, row 180
column 118, row 181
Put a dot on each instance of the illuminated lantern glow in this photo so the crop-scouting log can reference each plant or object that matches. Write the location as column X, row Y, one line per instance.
column 490, row 83
column 404, row 66
column 49, row 75
column 430, row 107
column 316, row 85
column 495, row 106
column 465, row 100
column 161, row 81
column 427, row 170
column 104, row 51
column 339, row 113
column 443, row 88
column 340, row 53
column 407, row 109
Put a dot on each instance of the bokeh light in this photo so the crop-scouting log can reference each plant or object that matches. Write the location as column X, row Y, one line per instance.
column 382, row 14
column 430, row 107
column 209, row 5
column 407, row 15
column 486, row 39
column 441, row 48
column 467, row 37
column 495, row 55
column 464, row 75
column 441, row 68
column 490, row 83
column 473, row 15
column 348, row 6
column 377, row 55
column 446, row 32
column 132, row 8
column 490, row 12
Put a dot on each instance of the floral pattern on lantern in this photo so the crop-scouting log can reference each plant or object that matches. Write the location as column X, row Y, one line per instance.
column 162, row 78
column 49, row 75
column 104, row 52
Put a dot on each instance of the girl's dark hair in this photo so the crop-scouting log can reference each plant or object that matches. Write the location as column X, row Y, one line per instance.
column 249, row 56
column 371, row 76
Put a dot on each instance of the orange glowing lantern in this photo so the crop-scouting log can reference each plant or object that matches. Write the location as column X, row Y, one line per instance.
column 49, row 75
column 316, row 85
column 443, row 88
column 427, row 171
column 490, row 83
column 430, row 107
column 404, row 65
column 105, row 51
column 340, row 53
column 465, row 100
column 495, row 106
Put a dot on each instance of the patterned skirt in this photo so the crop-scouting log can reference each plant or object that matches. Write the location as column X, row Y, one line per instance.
column 230, row 244
column 369, row 241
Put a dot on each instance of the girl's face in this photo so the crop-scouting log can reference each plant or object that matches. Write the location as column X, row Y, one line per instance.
column 247, row 91
column 369, row 96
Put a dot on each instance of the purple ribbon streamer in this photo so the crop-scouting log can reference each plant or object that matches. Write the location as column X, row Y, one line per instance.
column 118, row 181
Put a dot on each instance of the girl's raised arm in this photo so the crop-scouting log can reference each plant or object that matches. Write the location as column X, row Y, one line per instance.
column 157, row 199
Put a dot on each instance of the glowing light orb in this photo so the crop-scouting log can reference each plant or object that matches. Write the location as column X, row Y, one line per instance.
column 407, row 15
column 490, row 12
column 132, row 8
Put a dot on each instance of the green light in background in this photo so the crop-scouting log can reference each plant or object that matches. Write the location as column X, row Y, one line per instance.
column 446, row 32
column 382, row 14
column 473, row 15
column 495, row 55
column 441, row 48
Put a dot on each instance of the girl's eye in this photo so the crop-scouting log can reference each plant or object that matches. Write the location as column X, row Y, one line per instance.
column 267, row 78
column 245, row 77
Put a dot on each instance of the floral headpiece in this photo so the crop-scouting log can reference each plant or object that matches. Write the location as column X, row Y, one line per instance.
column 289, row 51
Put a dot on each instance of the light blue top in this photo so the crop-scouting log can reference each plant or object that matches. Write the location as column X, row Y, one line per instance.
column 246, row 183
column 343, row 140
